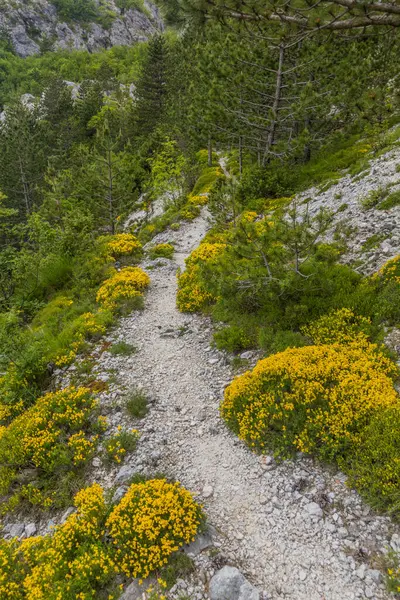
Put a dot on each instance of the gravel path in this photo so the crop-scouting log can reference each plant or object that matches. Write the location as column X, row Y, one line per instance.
column 293, row 528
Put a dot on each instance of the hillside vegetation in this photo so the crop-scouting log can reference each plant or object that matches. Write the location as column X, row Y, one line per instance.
column 104, row 157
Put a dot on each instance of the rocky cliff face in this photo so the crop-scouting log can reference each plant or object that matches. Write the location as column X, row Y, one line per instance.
column 33, row 25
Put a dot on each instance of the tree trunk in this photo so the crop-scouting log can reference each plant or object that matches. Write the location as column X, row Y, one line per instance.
column 25, row 188
column 276, row 103
column 110, row 190
column 240, row 155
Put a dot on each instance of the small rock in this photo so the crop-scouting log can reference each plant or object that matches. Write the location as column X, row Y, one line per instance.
column 246, row 355
column 375, row 575
column 208, row 491
column 395, row 542
column 96, row 462
column 124, row 474
column 303, row 575
column 213, row 361
column 67, row 513
column 118, row 494
column 230, row 584
column 30, row 529
column 360, row 572
column 17, row 530
column 369, row 593
column 155, row 457
column 314, row 510
column 135, row 590
column 201, row 542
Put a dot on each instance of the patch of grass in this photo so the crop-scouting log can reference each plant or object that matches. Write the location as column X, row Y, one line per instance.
column 179, row 566
column 122, row 348
column 137, row 404
column 326, row 186
column 373, row 241
column 373, row 198
column 390, row 202
column 343, row 207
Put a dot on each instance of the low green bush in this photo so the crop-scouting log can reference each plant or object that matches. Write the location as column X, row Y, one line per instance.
column 162, row 250
column 122, row 348
column 117, row 445
column 390, row 202
column 137, row 404
column 233, row 339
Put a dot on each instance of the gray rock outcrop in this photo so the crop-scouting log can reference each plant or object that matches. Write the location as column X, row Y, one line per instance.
column 31, row 24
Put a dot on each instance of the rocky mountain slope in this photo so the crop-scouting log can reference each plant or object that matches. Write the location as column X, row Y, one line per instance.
column 34, row 25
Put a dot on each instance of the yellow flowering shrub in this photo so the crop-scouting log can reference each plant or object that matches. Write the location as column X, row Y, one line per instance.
column 73, row 562
column 315, row 399
column 153, row 520
column 206, row 252
column 393, row 573
column 198, row 200
column 192, row 293
column 341, row 326
column 163, row 250
column 123, row 244
column 53, row 435
column 124, row 285
column 188, row 212
column 85, row 557
column 390, row 272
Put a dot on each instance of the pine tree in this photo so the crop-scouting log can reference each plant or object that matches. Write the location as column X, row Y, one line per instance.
column 151, row 91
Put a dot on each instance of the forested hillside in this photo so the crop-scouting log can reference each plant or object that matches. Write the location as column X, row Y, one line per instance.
column 199, row 290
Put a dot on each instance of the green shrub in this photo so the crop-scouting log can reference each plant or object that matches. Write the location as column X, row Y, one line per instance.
column 179, row 566
column 233, row 339
column 373, row 241
column 373, row 464
column 136, row 404
column 273, row 341
column 373, row 198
